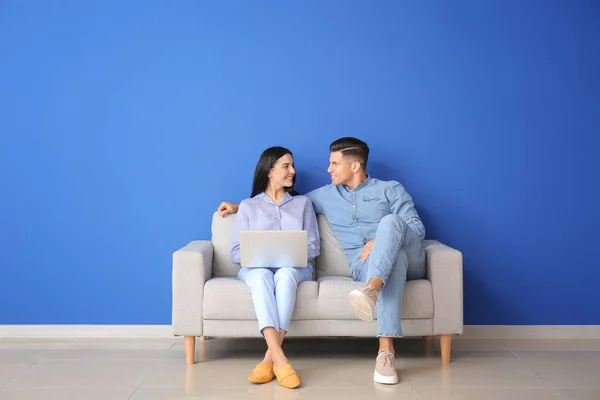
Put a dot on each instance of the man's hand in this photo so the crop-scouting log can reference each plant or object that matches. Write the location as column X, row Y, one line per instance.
column 226, row 208
column 366, row 250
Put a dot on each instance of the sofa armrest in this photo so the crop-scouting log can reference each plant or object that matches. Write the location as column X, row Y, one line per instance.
column 192, row 267
column 445, row 271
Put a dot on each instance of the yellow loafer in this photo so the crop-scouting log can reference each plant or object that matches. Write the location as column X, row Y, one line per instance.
column 261, row 374
column 287, row 377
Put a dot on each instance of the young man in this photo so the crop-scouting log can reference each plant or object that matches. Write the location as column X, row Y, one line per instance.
column 378, row 227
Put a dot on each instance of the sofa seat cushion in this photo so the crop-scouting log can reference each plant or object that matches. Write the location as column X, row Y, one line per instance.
column 230, row 299
column 333, row 298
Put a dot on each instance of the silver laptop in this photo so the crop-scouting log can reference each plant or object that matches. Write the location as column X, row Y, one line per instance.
column 273, row 249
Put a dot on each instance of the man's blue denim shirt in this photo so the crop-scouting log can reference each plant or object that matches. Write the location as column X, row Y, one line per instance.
column 354, row 214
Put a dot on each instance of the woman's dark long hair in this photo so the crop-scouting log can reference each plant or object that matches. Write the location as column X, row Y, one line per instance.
column 267, row 160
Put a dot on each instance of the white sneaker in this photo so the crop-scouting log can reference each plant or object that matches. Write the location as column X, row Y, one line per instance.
column 385, row 372
column 364, row 301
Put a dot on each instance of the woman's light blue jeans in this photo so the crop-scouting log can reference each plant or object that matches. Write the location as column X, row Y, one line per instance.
column 398, row 255
column 274, row 293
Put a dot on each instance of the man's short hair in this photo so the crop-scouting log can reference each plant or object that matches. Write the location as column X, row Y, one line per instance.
column 352, row 147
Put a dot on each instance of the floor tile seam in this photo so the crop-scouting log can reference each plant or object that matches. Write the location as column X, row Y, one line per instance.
column 19, row 374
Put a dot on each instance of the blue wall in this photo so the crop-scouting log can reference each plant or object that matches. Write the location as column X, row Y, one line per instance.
column 124, row 125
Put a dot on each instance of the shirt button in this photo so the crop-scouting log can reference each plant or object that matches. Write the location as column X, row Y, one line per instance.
column 353, row 206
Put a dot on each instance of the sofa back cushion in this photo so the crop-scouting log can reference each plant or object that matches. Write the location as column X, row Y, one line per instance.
column 222, row 230
column 332, row 261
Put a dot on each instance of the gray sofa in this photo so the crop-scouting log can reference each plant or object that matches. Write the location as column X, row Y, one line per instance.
column 208, row 299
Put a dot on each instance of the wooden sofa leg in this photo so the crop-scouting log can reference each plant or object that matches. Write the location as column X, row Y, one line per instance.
column 427, row 338
column 445, row 344
column 190, row 349
column 203, row 338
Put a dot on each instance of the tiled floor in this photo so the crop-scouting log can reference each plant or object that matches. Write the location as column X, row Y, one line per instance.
column 156, row 370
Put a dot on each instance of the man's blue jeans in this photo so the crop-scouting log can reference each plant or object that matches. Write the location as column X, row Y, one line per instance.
column 398, row 255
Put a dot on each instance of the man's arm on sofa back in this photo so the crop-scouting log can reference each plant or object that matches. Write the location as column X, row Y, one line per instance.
column 192, row 267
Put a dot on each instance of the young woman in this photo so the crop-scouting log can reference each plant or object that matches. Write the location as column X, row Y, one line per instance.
column 275, row 205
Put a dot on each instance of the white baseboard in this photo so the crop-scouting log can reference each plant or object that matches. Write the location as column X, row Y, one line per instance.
column 165, row 332
column 86, row 331
column 531, row 332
